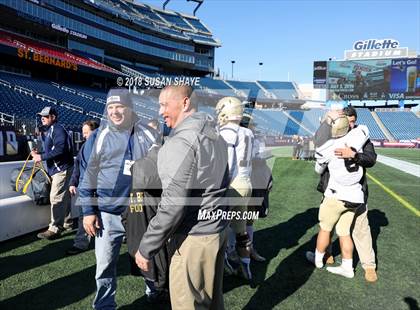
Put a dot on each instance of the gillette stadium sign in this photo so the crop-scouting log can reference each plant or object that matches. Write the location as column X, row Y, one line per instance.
column 376, row 48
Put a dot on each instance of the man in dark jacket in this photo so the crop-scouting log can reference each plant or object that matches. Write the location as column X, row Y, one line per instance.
column 58, row 154
column 106, row 185
column 81, row 240
column 144, row 200
column 193, row 168
column 361, row 233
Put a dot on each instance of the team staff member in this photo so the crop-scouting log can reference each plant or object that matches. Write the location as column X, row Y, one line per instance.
column 106, row 186
column 58, row 153
column 192, row 166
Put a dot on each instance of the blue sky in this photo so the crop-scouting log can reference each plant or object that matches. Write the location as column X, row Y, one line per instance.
column 287, row 36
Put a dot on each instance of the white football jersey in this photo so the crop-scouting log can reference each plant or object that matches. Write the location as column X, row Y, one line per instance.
column 344, row 175
column 240, row 142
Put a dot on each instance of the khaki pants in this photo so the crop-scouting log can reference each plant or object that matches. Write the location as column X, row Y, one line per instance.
column 240, row 189
column 362, row 238
column 333, row 212
column 196, row 273
column 60, row 200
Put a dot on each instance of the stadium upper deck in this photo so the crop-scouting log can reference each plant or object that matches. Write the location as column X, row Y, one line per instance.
column 116, row 32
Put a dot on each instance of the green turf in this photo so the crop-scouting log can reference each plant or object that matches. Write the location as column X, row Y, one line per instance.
column 410, row 155
column 37, row 275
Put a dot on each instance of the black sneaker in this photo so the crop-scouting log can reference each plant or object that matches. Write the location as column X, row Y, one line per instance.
column 75, row 250
column 49, row 235
column 159, row 297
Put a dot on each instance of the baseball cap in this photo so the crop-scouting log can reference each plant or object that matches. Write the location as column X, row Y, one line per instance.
column 121, row 96
column 48, row 111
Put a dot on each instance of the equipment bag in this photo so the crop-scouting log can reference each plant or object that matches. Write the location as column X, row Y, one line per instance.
column 33, row 182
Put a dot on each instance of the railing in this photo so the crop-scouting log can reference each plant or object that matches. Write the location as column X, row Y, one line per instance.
column 5, row 83
column 68, row 89
column 71, row 106
column 100, row 100
column 24, row 90
column 84, row 95
column 96, row 115
column 46, row 98
column 7, row 118
column 132, row 72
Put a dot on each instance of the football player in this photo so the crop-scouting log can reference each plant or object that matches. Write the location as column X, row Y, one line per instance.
column 343, row 195
column 240, row 141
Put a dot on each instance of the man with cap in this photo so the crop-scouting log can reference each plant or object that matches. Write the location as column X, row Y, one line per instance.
column 58, row 154
column 105, row 188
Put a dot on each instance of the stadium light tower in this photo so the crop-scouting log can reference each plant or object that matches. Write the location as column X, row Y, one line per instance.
column 260, row 64
column 200, row 2
column 165, row 3
column 232, row 62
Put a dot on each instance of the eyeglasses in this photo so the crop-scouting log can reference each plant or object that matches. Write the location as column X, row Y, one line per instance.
column 45, row 116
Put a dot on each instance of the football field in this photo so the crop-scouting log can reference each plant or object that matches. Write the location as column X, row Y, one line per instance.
column 36, row 274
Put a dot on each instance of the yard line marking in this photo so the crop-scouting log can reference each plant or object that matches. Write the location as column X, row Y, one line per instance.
column 401, row 200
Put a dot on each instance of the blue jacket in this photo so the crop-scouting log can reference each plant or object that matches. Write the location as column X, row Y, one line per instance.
column 80, row 165
column 58, row 149
column 106, row 183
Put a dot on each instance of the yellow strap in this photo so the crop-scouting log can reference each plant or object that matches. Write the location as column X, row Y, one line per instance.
column 44, row 172
column 20, row 173
column 25, row 188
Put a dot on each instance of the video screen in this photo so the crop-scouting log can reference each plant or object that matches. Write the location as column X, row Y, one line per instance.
column 381, row 79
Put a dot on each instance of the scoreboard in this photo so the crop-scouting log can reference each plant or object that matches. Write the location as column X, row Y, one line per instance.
column 370, row 79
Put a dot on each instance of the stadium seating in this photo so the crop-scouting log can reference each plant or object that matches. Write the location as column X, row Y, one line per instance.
column 20, row 99
column 310, row 119
column 197, row 25
column 364, row 117
column 168, row 22
column 23, row 97
column 402, row 125
column 251, row 90
column 282, row 90
column 213, row 86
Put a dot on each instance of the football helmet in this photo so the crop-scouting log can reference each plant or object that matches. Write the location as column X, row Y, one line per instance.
column 339, row 126
column 229, row 109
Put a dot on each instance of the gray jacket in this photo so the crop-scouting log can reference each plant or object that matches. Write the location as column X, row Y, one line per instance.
column 193, row 168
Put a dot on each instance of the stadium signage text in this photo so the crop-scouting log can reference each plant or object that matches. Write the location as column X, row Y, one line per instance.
column 68, row 31
column 375, row 44
column 8, row 143
column 376, row 48
column 45, row 59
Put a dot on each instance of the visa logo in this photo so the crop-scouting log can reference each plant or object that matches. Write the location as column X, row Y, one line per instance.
column 396, row 96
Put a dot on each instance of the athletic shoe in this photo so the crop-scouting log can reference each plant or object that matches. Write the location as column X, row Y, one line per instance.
column 228, row 268
column 75, row 250
column 158, row 297
column 244, row 270
column 49, row 235
column 310, row 256
column 348, row 273
column 370, row 275
column 257, row 257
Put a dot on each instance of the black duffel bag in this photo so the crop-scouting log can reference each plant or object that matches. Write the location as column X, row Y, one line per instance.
column 33, row 182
